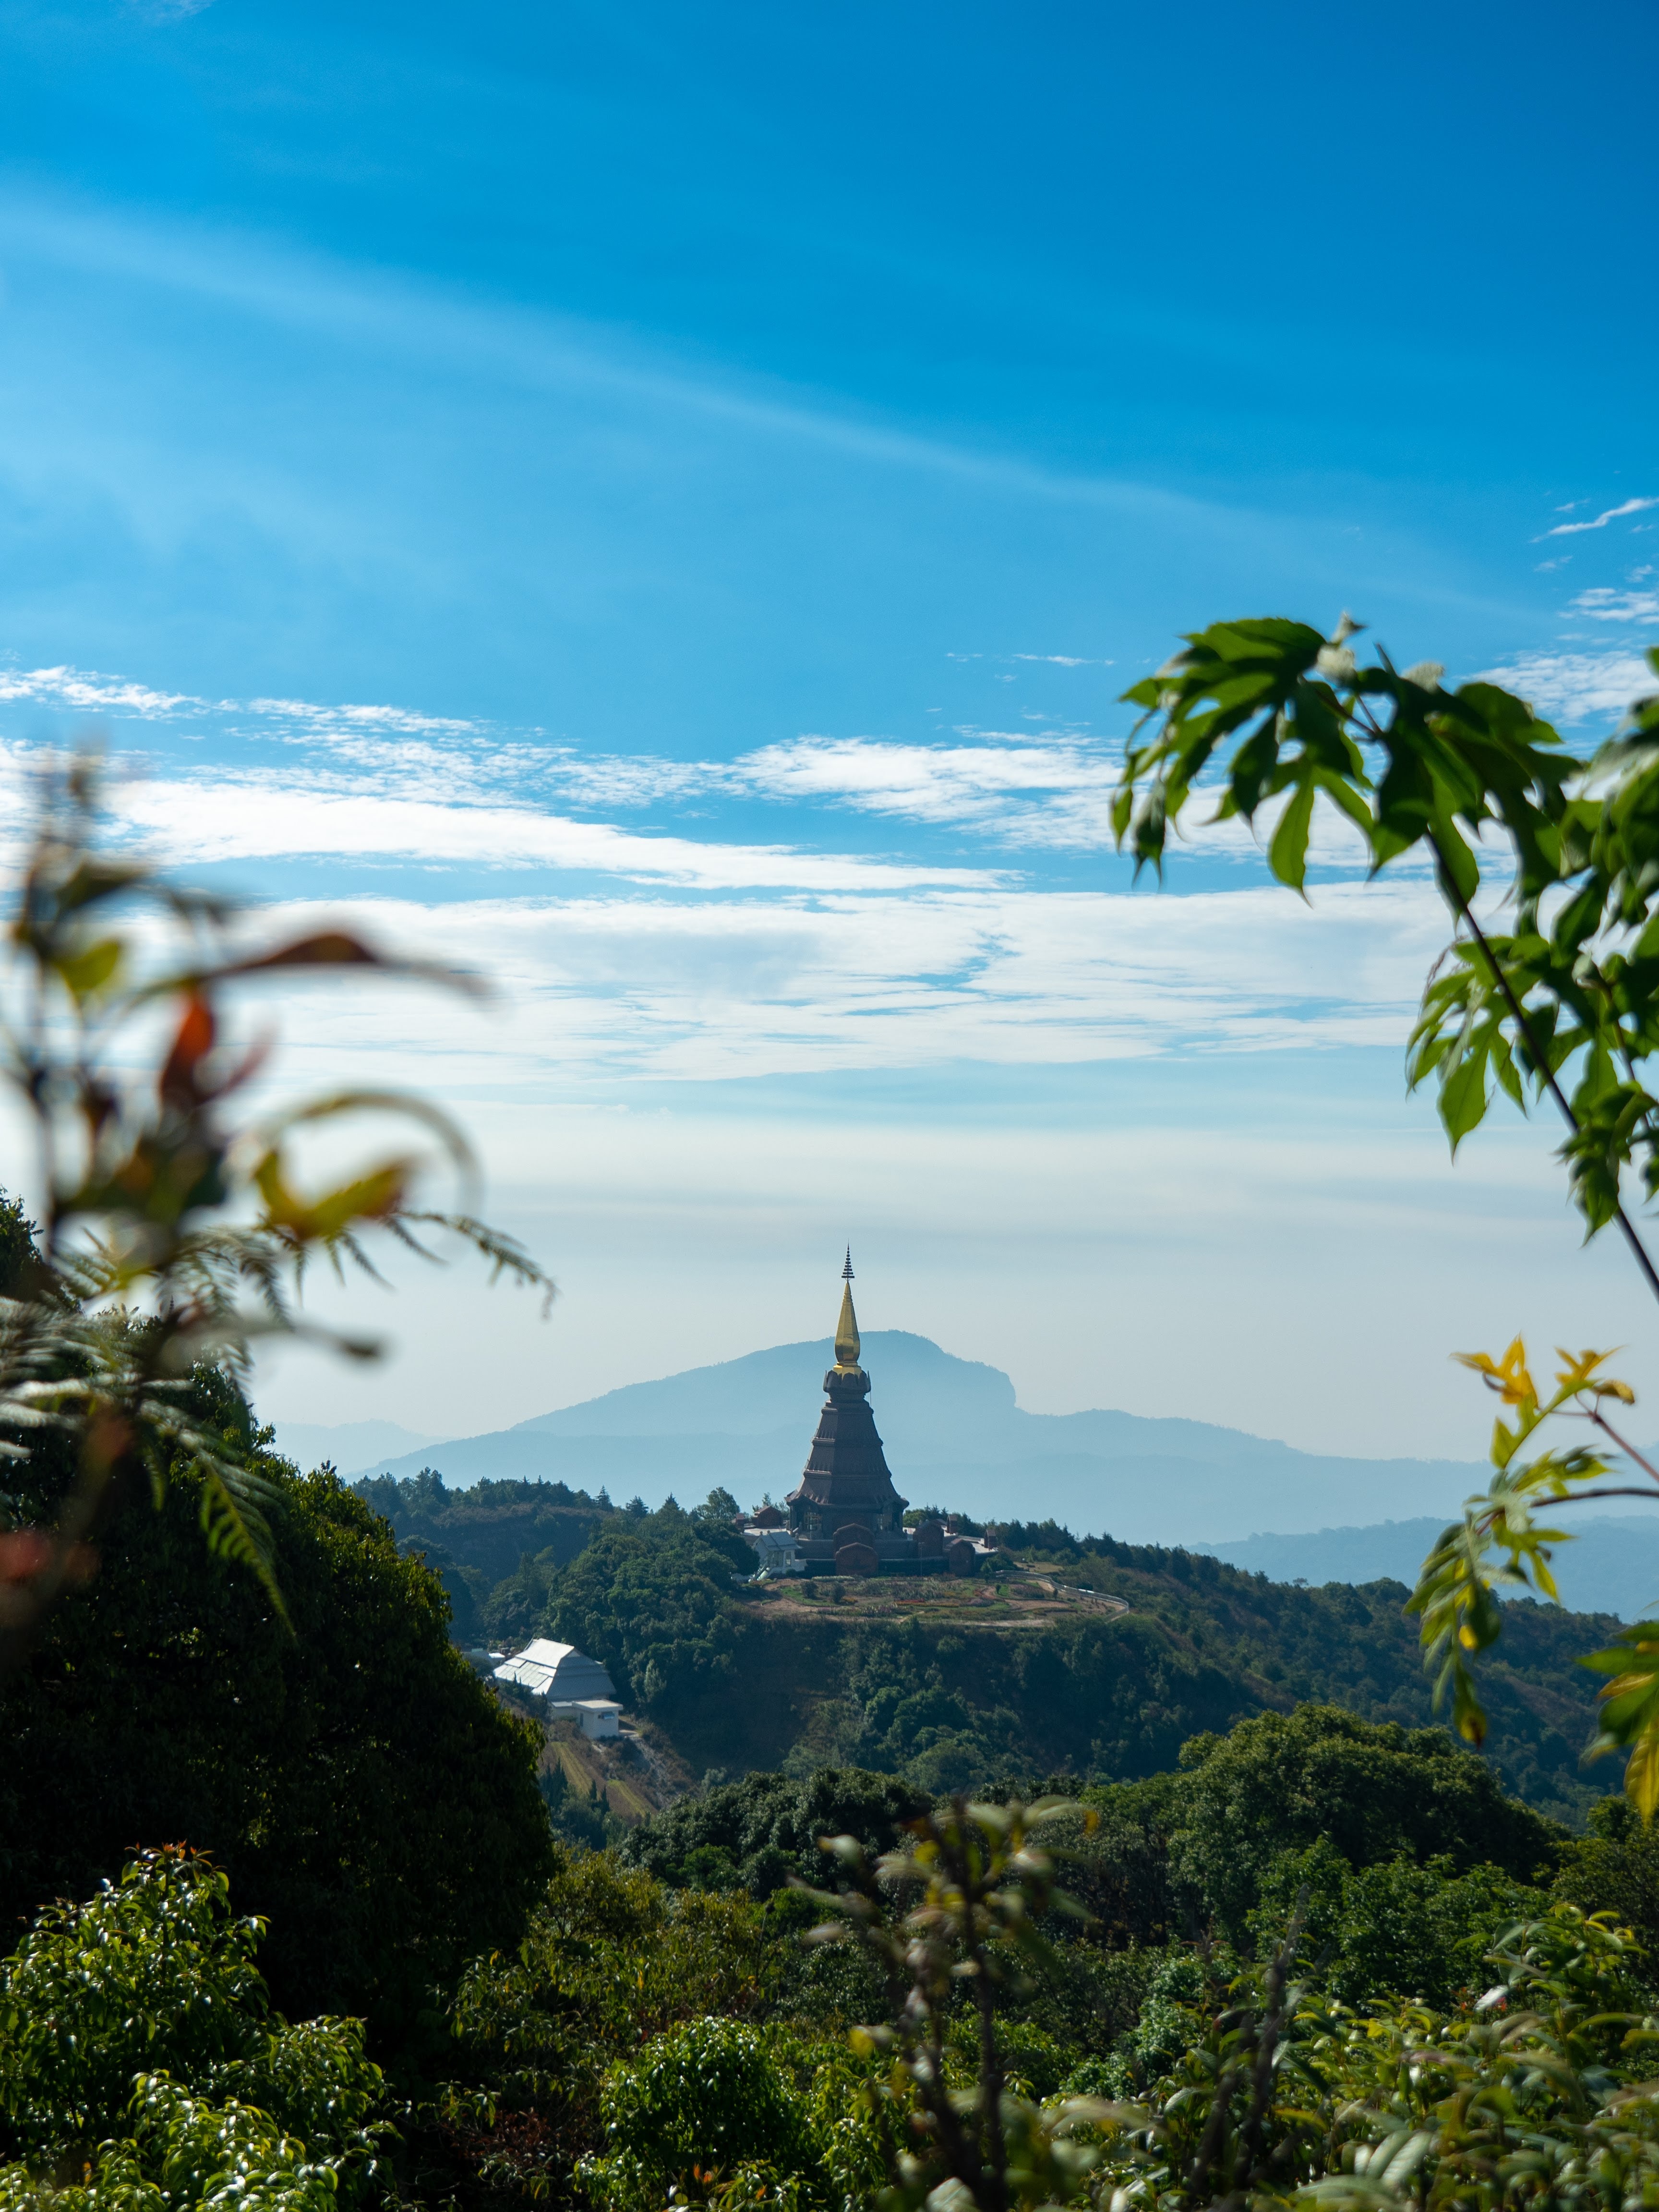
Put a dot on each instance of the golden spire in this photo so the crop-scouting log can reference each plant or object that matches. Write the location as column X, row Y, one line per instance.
column 847, row 1329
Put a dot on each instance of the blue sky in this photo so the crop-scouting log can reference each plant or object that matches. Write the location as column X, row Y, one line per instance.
column 659, row 502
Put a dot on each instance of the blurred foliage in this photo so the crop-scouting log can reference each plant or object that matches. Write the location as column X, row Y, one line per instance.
column 156, row 1200
column 1535, row 2093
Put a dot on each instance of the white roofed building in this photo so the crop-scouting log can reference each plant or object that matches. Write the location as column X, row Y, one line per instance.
column 569, row 1681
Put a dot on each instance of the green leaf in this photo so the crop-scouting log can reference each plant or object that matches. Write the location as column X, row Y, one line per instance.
column 1287, row 854
column 1463, row 1095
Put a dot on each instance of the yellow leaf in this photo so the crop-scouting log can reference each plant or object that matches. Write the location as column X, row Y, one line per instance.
column 1642, row 1774
column 88, row 971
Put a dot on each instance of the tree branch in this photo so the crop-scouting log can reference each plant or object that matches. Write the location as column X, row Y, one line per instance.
column 1539, row 1060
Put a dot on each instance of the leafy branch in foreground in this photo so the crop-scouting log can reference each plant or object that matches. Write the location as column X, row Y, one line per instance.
column 980, row 1886
column 1499, row 1544
column 1269, row 714
column 173, row 1232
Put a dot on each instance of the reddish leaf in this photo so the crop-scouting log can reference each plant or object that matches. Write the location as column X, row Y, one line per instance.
column 178, row 1086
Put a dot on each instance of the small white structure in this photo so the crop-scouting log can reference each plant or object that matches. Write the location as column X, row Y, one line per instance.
column 568, row 1679
column 599, row 1716
column 776, row 1550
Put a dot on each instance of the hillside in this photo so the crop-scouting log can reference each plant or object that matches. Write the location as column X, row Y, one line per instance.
column 1093, row 1657
column 954, row 1433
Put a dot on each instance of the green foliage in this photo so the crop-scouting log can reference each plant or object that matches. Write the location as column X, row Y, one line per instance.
column 956, row 1921
column 587, row 1823
column 1264, row 711
column 1280, row 1783
column 170, row 1700
column 152, row 1974
column 1536, row 2094
column 182, row 2150
column 1614, row 1870
column 651, row 1600
column 1392, row 1926
column 610, row 1960
column 138, row 2022
column 493, row 1526
column 767, row 1826
column 512, row 1613
column 707, row 2101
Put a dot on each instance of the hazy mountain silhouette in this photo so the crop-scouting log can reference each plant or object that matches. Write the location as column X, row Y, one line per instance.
column 955, row 1437
column 1611, row 1567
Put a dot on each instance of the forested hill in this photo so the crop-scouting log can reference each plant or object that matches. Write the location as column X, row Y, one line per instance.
column 774, row 1677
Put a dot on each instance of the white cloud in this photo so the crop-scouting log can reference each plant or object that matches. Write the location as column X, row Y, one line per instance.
column 328, row 721
column 603, row 986
column 1573, row 687
column 219, row 818
column 1605, row 604
column 88, row 692
column 1601, row 522
column 1063, row 659
column 1057, row 793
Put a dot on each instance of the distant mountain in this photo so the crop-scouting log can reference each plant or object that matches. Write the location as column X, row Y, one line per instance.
column 955, row 1437
column 309, row 1443
column 1613, row 1567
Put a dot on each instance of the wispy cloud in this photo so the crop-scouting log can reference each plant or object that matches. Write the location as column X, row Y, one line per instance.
column 1605, row 604
column 223, row 817
column 1600, row 521
column 1057, row 792
column 1063, row 659
column 390, row 784
column 1573, row 687
column 647, row 987
column 85, row 692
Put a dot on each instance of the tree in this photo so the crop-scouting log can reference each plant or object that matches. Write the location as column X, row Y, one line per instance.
column 956, row 1918
column 1279, row 1783
column 1257, row 712
column 138, row 2042
column 651, row 1599
column 364, row 1792
column 767, row 1826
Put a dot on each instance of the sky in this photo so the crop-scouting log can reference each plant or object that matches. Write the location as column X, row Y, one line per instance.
column 657, row 505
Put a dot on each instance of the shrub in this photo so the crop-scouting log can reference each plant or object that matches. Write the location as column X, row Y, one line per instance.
column 708, row 2101
column 139, row 2023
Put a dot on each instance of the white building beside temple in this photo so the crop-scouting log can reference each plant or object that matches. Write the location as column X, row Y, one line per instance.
column 569, row 1682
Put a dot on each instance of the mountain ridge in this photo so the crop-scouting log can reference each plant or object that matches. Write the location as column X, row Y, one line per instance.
column 956, row 1436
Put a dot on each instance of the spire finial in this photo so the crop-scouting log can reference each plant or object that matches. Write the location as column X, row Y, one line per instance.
column 847, row 1329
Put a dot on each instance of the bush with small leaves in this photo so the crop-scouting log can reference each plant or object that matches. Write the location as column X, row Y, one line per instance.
column 705, row 2103
column 138, row 2044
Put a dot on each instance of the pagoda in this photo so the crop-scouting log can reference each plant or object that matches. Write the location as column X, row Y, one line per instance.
column 846, row 1515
